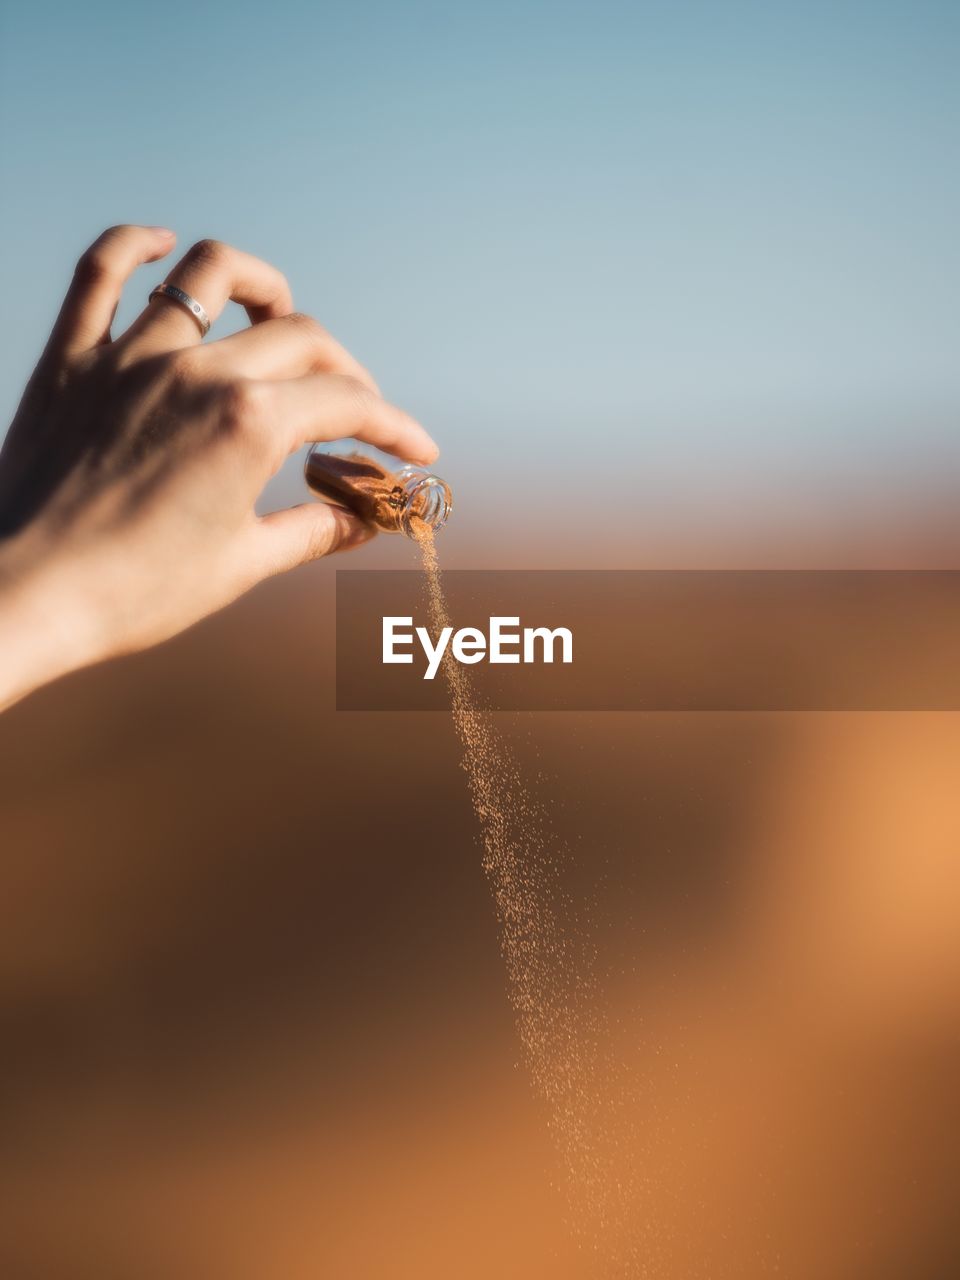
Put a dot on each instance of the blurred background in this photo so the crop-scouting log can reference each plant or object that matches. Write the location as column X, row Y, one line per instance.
column 673, row 285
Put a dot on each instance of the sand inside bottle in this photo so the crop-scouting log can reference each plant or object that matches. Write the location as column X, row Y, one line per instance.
column 359, row 483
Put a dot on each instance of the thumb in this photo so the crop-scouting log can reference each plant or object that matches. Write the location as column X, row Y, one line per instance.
column 307, row 532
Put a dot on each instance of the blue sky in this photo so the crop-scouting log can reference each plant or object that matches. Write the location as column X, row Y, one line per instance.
column 714, row 237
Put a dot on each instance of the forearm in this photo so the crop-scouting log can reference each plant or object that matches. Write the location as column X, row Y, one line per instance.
column 42, row 633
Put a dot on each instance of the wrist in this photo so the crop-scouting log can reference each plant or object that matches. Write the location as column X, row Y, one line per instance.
column 44, row 631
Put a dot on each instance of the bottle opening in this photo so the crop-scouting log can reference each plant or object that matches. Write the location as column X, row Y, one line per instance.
column 429, row 500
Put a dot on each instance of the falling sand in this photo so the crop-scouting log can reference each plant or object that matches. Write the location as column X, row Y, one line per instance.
column 550, row 965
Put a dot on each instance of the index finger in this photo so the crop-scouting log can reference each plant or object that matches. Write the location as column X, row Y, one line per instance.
column 331, row 406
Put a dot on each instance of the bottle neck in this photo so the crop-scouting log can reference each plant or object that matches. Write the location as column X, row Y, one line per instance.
column 424, row 499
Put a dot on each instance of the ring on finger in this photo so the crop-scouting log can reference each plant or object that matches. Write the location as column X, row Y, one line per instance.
column 185, row 299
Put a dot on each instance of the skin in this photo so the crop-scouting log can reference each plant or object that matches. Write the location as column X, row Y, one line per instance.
column 129, row 475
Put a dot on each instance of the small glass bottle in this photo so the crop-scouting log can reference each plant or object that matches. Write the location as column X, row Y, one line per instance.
column 392, row 497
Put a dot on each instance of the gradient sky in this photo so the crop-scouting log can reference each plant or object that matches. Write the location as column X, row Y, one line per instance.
column 716, row 242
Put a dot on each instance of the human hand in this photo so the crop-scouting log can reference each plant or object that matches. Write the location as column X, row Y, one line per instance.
column 129, row 476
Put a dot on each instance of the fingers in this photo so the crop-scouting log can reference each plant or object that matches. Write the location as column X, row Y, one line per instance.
column 287, row 347
column 214, row 274
column 288, row 538
column 88, row 308
column 331, row 406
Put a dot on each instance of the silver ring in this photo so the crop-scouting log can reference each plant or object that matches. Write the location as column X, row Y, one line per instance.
column 193, row 306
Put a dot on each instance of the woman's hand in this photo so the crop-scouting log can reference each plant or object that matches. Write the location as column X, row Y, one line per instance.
column 129, row 475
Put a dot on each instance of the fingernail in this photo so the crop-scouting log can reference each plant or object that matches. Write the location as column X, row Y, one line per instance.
column 162, row 231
